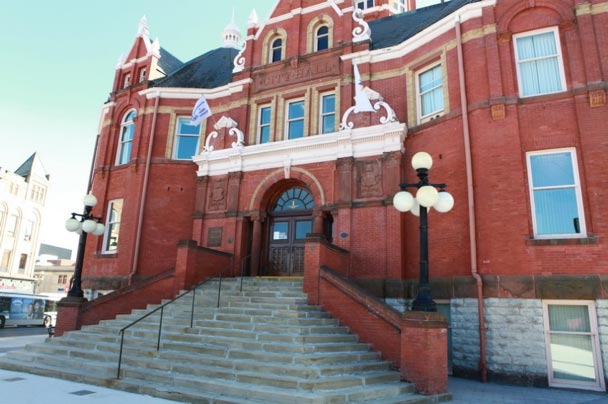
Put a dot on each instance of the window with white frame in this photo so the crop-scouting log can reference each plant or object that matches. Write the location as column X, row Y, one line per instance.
column 572, row 345
column 127, row 82
column 322, row 38
column 295, row 120
column 127, row 130
column 11, row 225
column 364, row 4
column 142, row 74
column 186, row 139
column 327, row 121
column 276, row 50
column 264, row 117
column 555, row 194
column 110, row 239
column 538, row 57
column 430, row 93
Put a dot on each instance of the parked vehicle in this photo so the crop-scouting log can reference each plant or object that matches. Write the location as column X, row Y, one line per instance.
column 21, row 309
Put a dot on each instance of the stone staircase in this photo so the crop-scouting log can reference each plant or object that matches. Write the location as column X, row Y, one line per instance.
column 265, row 344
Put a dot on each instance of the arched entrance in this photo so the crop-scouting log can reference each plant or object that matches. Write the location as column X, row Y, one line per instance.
column 290, row 221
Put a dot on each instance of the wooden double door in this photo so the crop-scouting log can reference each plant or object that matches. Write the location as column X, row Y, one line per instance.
column 286, row 244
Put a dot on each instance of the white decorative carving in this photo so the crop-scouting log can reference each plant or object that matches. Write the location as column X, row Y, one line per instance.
column 208, row 147
column 240, row 138
column 345, row 124
column 226, row 123
column 142, row 28
column 390, row 113
column 363, row 32
column 239, row 60
column 389, row 118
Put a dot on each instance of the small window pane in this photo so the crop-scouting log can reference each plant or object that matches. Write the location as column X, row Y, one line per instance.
column 552, row 169
column 569, row 318
column 187, row 138
column 280, row 231
column 303, row 227
column 572, row 357
column 296, row 110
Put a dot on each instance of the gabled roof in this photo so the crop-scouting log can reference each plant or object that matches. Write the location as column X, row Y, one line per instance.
column 168, row 62
column 210, row 70
column 390, row 31
column 32, row 165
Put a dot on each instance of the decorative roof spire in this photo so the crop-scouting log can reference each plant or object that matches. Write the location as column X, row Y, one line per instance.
column 231, row 34
column 142, row 29
column 253, row 20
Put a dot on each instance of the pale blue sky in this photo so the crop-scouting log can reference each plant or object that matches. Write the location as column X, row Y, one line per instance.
column 57, row 68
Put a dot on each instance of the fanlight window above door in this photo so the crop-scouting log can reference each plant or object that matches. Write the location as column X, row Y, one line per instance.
column 294, row 199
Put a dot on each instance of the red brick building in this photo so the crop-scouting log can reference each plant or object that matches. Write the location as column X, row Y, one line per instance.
column 507, row 96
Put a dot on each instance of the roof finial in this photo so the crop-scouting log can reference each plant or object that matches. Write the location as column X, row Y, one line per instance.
column 252, row 21
column 142, row 29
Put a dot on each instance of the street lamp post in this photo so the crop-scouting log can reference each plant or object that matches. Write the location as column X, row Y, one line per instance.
column 427, row 196
column 86, row 224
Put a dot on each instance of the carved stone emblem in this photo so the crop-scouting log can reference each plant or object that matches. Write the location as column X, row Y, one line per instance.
column 369, row 179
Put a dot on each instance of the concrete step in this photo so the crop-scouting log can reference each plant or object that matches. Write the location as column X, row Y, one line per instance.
column 264, row 344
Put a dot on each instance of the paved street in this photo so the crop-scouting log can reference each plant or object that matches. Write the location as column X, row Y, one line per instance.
column 13, row 338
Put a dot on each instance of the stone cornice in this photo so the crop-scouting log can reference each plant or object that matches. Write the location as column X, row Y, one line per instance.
column 361, row 142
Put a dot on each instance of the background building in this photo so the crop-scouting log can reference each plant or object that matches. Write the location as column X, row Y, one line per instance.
column 507, row 96
column 22, row 198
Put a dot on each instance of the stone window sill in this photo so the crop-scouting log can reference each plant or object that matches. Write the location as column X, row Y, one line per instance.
column 589, row 240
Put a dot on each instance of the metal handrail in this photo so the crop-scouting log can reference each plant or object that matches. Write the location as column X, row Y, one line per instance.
column 243, row 268
column 162, row 308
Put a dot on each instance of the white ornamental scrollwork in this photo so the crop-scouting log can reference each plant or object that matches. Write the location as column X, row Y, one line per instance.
column 345, row 124
column 240, row 138
column 239, row 60
column 390, row 115
column 362, row 33
column 233, row 130
column 208, row 147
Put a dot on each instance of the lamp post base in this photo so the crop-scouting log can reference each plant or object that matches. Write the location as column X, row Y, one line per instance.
column 424, row 301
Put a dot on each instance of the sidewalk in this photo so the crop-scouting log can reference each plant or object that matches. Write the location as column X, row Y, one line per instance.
column 24, row 388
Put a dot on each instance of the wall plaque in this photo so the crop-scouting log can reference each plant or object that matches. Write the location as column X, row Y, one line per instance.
column 214, row 236
column 290, row 73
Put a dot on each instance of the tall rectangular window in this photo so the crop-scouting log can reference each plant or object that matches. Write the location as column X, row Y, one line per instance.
column 11, row 225
column 539, row 62
column 328, row 113
column 430, row 93
column 295, row 119
column 22, row 263
column 264, row 116
column 573, row 349
column 555, row 194
column 186, row 139
column 110, row 240
column 6, row 259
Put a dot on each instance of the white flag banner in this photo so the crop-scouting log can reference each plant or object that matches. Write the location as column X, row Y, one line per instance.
column 362, row 102
column 201, row 111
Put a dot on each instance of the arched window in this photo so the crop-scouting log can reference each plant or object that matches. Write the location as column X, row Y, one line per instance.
column 294, row 199
column 276, row 50
column 127, row 129
column 322, row 38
